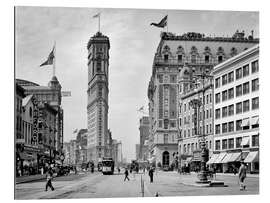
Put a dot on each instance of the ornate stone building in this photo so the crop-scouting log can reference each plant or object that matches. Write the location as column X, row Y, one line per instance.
column 197, row 53
column 97, row 92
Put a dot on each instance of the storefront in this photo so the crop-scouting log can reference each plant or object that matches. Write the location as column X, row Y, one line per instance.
column 252, row 161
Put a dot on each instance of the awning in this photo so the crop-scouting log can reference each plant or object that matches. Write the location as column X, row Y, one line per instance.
column 226, row 158
column 252, row 157
column 254, row 120
column 245, row 122
column 234, row 157
column 26, row 156
column 242, row 156
column 188, row 159
column 245, row 141
column 212, row 159
column 220, row 157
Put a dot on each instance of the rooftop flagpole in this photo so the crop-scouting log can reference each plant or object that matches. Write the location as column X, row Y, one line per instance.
column 167, row 22
column 54, row 59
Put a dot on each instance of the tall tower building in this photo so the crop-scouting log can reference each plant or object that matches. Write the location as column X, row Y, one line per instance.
column 97, row 92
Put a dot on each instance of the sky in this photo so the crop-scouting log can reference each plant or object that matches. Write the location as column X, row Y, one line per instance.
column 133, row 45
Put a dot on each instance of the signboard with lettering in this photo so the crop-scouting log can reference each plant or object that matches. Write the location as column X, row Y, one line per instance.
column 34, row 139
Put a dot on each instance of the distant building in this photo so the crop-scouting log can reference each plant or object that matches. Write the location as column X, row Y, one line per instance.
column 236, row 135
column 137, row 147
column 98, row 89
column 197, row 52
column 144, row 135
column 117, row 152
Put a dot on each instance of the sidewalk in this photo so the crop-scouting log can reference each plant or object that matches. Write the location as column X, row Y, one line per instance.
column 25, row 179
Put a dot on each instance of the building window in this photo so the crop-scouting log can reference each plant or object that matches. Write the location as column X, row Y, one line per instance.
column 224, row 79
column 238, row 90
column 255, row 103
column 255, row 140
column 206, row 58
column 238, row 107
column 254, row 66
column 217, row 127
column 230, row 77
column 210, row 98
column 238, row 125
column 246, row 106
column 160, row 124
column 238, row 73
column 246, row 88
column 231, row 110
column 255, row 85
column 224, row 144
column 230, row 93
column 210, row 113
column 217, row 98
column 172, row 78
column 220, row 59
column 217, row 145
column 246, row 70
column 231, row 143
column 217, row 114
column 166, row 123
column 98, row 65
column 166, row 138
column 231, row 126
column 224, row 127
column 217, row 82
column 224, row 95
column 166, row 57
column 238, row 142
column 224, row 111
column 193, row 58
column 160, row 78
column 180, row 58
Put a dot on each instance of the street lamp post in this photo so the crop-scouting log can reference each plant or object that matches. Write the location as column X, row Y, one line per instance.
column 196, row 103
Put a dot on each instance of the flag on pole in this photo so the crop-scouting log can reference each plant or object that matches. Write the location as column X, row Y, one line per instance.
column 162, row 23
column 75, row 131
column 141, row 109
column 97, row 15
column 50, row 58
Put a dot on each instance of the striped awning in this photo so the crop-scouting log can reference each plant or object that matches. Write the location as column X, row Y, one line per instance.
column 226, row 158
column 254, row 120
column 252, row 157
column 245, row 141
column 245, row 122
column 220, row 158
column 234, row 157
column 212, row 159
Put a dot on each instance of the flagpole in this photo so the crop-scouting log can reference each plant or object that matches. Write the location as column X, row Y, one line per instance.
column 99, row 22
column 54, row 58
column 167, row 22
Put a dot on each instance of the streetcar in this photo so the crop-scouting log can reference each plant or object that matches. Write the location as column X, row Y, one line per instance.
column 107, row 166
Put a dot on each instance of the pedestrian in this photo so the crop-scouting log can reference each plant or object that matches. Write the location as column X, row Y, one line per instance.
column 151, row 174
column 49, row 176
column 126, row 174
column 242, row 175
column 118, row 170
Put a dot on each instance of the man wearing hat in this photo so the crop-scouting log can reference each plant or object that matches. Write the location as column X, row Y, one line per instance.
column 242, row 175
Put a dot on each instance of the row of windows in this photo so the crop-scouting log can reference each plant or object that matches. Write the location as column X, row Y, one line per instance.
column 165, row 78
column 235, row 143
column 239, row 73
column 191, row 132
column 193, row 58
column 239, row 91
column 240, row 107
column 189, row 148
column 229, row 127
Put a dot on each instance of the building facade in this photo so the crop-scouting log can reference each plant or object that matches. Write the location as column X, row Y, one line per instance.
column 236, row 135
column 191, row 121
column 197, row 52
column 51, row 95
column 97, row 93
column 144, row 136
